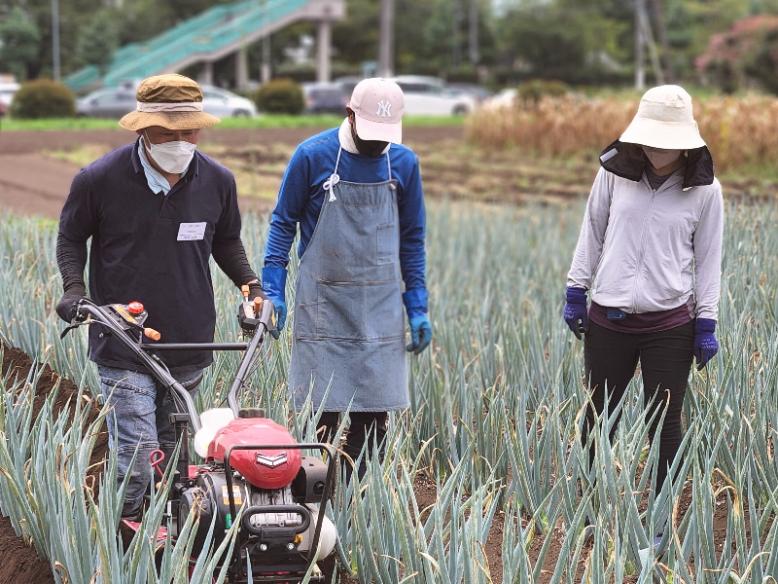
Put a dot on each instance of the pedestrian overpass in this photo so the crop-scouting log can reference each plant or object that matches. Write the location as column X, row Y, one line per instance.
column 212, row 35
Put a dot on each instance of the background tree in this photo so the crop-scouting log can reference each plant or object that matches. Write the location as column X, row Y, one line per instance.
column 763, row 67
column 19, row 37
column 745, row 55
column 575, row 42
column 98, row 41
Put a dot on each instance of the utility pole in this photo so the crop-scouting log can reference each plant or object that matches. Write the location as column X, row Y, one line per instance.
column 456, row 32
column 55, row 56
column 473, row 33
column 386, row 40
column 640, row 71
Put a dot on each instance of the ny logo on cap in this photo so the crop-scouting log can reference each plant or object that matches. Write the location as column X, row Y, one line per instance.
column 384, row 109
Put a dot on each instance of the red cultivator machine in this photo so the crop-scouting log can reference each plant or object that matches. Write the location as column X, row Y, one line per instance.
column 253, row 471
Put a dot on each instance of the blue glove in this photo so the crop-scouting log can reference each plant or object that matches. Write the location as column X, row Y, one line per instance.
column 415, row 301
column 575, row 313
column 274, row 285
column 705, row 343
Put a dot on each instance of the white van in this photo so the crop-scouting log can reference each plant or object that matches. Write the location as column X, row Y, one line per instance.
column 429, row 96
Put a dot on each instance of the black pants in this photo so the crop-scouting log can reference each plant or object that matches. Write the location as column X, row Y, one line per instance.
column 365, row 427
column 665, row 360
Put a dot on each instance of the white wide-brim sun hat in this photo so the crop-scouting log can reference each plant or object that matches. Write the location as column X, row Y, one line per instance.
column 665, row 119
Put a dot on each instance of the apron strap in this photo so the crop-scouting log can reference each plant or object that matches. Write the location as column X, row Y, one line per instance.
column 329, row 184
column 389, row 164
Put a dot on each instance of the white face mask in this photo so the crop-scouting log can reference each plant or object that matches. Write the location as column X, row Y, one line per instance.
column 173, row 157
column 661, row 158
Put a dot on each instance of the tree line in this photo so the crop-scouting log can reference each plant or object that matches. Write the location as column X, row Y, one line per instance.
column 576, row 41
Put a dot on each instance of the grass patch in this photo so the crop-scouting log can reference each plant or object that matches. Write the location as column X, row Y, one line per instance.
column 264, row 121
column 81, row 155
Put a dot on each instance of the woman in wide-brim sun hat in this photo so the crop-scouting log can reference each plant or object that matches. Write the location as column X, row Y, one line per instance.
column 649, row 251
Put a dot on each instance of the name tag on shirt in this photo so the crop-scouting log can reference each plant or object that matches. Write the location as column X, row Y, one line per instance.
column 191, row 231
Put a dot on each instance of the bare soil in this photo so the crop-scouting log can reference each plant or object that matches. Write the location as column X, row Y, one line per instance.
column 20, row 561
column 27, row 142
column 32, row 183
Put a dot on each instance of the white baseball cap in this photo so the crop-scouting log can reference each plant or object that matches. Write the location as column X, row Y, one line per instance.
column 665, row 119
column 378, row 105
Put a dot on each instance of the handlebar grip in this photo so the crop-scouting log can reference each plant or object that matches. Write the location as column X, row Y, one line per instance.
column 152, row 334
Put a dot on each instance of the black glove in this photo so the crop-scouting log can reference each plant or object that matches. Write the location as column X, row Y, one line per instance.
column 68, row 304
column 255, row 291
column 247, row 322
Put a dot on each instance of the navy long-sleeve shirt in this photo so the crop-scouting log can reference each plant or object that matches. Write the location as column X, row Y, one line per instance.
column 152, row 248
column 301, row 196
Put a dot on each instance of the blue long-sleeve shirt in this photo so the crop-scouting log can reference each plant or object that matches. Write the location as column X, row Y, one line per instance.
column 301, row 196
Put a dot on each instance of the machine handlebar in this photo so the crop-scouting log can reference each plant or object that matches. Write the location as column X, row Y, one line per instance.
column 125, row 323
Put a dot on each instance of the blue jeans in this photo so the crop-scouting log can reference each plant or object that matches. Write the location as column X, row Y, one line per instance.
column 140, row 410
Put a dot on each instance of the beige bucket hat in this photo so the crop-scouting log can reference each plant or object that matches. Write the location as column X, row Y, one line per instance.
column 665, row 119
column 172, row 101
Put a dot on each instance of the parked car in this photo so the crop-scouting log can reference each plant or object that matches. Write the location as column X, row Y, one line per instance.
column 430, row 96
column 348, row 83
column 225, row 104
column 325, row 98
column 477, row 92
column 505, row 98
column 106, row 103
column 114, row 103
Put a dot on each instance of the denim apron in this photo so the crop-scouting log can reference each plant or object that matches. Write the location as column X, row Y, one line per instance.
column 349, row 327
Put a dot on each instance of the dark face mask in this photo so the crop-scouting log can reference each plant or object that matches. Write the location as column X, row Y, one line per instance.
column 371, row 148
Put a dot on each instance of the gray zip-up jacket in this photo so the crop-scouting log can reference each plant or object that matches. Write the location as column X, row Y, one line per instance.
column 642, row 250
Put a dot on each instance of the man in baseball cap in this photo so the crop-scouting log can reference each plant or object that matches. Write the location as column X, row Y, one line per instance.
column 356, row 194
column 378, row 106
column 155, row 210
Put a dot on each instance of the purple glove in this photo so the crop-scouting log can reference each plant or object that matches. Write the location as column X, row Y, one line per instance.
column 575, row 313
column 705, row 343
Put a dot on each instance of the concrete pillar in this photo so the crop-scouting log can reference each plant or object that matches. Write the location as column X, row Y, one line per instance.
column 265, row 69
column 206, row 75
column 323, row 51
column 242, row 68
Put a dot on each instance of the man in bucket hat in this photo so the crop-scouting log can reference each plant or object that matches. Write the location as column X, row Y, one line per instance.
column 649, row 251
column 355, row 191
column 155, row 210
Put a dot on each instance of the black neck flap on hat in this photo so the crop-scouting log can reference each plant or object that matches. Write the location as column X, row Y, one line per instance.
column 628, row 161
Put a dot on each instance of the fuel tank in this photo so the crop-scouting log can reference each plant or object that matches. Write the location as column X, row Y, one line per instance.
column 264, row 467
